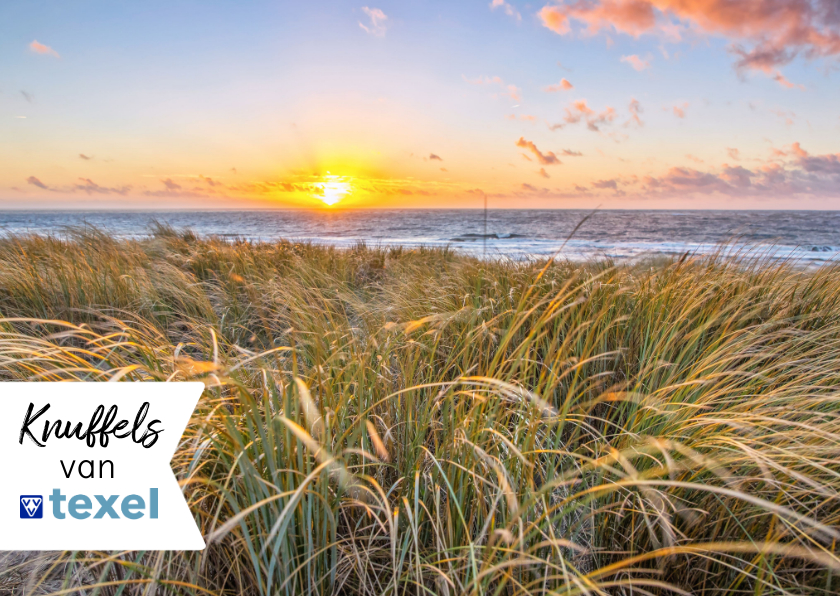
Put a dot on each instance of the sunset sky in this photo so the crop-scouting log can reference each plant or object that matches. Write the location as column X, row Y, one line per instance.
column 613, row 103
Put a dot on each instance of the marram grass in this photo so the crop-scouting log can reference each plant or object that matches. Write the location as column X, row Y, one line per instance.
column 416, row 422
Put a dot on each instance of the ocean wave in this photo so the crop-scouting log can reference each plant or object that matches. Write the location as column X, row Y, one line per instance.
column 811, row 237
column 475, row 237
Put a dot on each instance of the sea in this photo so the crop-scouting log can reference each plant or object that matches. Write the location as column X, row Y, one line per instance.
column 810, row 237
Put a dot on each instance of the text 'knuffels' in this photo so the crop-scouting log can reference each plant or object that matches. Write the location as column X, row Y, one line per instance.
column 101, row 426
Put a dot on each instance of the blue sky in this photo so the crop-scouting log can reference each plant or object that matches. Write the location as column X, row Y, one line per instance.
column 102, row 103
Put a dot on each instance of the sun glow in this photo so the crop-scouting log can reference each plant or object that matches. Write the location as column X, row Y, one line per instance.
column 333, row 190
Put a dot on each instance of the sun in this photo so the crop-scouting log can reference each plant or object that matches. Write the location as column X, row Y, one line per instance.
column 333, row 190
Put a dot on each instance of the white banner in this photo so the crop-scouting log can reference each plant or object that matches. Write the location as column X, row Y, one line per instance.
column 87, row 466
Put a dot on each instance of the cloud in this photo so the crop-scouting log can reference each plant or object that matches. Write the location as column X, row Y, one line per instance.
column 687, row 178
column 523, row 117
column 694, row 158
column 762, row 58
column 543, row 173
column 35, row 182
column 579, row 111
column 571, row 153
column 737, row 176
column 40, row 48
column 679, row 111
column 786, row 116
column 798, row 151
column 781, row 80
column 511, row 91
column 776, row 30
column 613, row 184
column 90, row 187
column 209, row 181
column 485, row 80
column 28, row 96
column 635, row 113
column 85, row 185
column 170, row 185
column 636, row 62
column 432, row 156
column 509, row 10
column 546, row 159
column 563, row 85
column 531, row 189
column 377, row 25
column 196, row 193
column 85, row 157
column 633, row 17
column 555, row 19
column 826, row 164
column 608, row 115
column 733, row 153
column 794, row 173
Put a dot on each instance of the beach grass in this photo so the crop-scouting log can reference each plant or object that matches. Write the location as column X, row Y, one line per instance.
column 394, row 421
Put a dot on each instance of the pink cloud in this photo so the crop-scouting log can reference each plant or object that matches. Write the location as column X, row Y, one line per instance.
column 636, row 62
column 484, row 80
column 613, row 184
column 511, row 91
column 547, row 159
column 522, row 117
column 377, row 25
column 803, row 175
column 555, row 19
column 514, row 92
column 679, row 111
column 778, row 30
column 90, row 187
column 36, row 182
column 579, row 111
column 823, row 164
column 733, row 153
column 786, row 116
column 581, row 107
column 798, row 151
column 40, row 48
column 509, row 10
column 563, row 85
column 543, row 173
column 635, row 112
column 781, row 80
column 737, row 176
column 690, row 178
column 633, row 17
column 529, row 187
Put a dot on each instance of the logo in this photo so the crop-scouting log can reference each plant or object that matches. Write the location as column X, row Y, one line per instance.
column 96, row 456
column 31, row 506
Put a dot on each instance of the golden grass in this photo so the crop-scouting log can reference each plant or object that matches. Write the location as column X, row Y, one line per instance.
column 415, row 422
